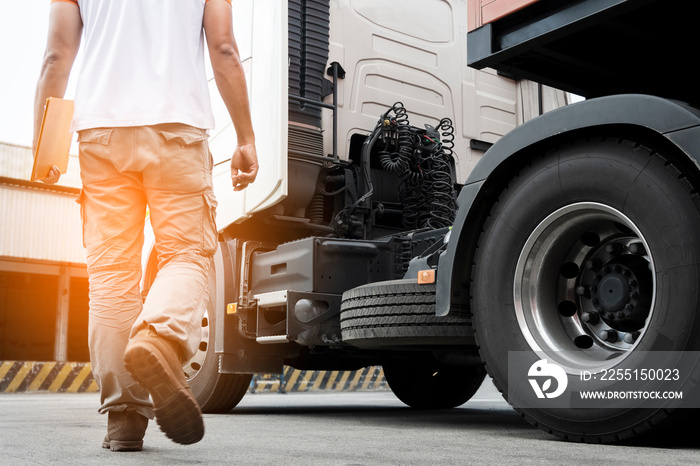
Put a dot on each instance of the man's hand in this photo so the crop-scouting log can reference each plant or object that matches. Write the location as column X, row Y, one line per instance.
column 244, row 166
column 53, row 176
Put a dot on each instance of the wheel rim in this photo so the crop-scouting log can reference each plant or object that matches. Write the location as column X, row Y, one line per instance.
column 584, row 287
column 194, row 365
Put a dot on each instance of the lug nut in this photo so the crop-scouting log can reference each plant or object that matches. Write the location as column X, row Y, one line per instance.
column 620, row 315
column 613, row 248
column 590, row 318
column 637, row 249
column 631, row 337
column 608, row 335
column 584, row 291
column 593, row 264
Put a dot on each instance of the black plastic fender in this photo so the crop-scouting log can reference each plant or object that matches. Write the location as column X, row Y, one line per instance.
column 677, row 122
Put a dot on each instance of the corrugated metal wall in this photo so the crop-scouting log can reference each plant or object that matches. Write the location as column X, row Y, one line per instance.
column 16, row 162
column 37, row 222
column 40, row 225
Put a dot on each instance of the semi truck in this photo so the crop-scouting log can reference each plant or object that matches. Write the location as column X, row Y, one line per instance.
column 446, row 222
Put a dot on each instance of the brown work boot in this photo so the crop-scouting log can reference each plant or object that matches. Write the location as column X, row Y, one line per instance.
column 154, row 363
column 125, row 430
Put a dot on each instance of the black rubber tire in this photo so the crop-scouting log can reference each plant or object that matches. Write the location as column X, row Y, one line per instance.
column 431, row 385
column 397, row 313
column 215, row 392
column 658, row 198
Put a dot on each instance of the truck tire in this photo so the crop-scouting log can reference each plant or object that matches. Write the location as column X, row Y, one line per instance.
column 589, row 259
column 397, row 313
column 215, row 392
column 431, row 385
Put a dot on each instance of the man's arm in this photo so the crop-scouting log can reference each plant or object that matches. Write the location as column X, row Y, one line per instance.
column 63, row 42
column 230, row 80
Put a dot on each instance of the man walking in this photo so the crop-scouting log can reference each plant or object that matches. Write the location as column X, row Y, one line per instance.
column 142, row 113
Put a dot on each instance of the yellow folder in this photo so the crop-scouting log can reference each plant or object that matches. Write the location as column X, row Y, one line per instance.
column 54, row 138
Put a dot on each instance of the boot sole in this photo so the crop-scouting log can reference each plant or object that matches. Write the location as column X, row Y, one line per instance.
column 123, row 445
column 176, row 411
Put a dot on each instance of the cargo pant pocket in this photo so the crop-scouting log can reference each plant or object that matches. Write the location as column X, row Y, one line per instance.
column 185, row 159
column 95, row 155
column 95, row 135
column 184, row 137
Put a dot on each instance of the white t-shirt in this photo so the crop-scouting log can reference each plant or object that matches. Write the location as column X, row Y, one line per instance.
column 143, row 64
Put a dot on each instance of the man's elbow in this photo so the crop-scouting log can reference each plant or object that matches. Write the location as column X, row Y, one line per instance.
column 224, row 55
column 57, row 62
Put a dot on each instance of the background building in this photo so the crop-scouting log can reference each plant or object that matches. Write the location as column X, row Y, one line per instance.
column 43, row 279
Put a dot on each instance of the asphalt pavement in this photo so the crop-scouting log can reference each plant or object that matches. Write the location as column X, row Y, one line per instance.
column 314, row 428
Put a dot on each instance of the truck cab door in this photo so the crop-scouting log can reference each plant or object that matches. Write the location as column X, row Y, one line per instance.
column 261, row 35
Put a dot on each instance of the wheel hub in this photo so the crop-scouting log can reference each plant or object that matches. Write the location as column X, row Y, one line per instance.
column 611, row 292
column 620, row 291
column 584, row 286
column 192, row 367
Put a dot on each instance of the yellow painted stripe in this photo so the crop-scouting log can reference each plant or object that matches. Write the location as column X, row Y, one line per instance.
column 61, row 377
column 19, row 377
column 5, row 368
column 319, row 379
column 93, row 386
column 368, row 378
column 32, row 376
column 293, row 379
column 305, row 380
column 355, row 381
column 79, row 379
column 267, row 382
column 41, row 376
column 331, row 379
column 380, row 377
column 341, row 384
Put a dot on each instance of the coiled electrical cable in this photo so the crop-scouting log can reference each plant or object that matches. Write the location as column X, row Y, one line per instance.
column 395, row 157
column 422, row 159
column 425, row 165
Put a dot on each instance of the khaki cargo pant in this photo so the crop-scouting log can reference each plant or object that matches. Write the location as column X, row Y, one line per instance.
column 124, row 170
